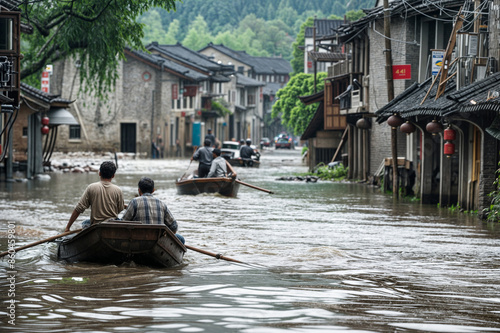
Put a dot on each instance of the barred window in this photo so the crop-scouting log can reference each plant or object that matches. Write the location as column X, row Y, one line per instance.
column 74, row 132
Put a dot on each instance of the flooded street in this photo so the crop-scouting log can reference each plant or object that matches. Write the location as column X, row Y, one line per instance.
column 335, row 257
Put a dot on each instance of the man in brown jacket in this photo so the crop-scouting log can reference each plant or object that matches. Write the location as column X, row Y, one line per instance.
column 104, row 199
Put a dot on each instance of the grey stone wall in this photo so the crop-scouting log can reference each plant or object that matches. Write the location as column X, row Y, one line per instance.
column 403, row 52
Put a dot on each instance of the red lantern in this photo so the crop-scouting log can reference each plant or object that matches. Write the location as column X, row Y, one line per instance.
column 449, row 149
column 408, row 128
column 434, row 127
column 395, row 121
column 45, row 130
column 449, row 134
column 45, row 121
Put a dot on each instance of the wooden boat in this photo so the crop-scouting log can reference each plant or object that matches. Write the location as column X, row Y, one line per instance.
column 116, row 242
column 244, row 162
column 225, row 186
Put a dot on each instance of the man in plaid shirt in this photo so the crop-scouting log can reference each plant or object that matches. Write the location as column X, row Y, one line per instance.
column 150, row 210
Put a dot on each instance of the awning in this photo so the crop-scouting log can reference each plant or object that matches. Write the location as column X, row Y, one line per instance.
column 61, row 116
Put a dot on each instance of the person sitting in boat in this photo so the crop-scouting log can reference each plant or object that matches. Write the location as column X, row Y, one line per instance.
column 246, row 152
column 205, row 157
column 150, row 210
column 104, row 199
column 220, row 166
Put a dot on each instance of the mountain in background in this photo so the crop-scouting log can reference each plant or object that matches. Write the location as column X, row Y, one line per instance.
column 260, row 27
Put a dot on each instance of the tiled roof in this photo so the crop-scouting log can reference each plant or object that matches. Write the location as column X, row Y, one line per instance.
column 260, row 65
column 43, row 96
column 189, row 57
column 248, row 81
column 407, row 104
column 172, row 66
column 324, row 28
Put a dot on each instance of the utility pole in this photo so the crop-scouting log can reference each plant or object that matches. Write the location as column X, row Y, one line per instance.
column 390, row 97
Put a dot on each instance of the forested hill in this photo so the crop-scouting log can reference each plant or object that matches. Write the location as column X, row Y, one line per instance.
column 260, row 27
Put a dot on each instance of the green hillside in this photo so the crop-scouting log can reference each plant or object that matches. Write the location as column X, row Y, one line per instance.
column 260, row 27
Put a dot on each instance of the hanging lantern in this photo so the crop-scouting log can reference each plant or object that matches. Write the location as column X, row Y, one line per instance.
column 449, row 134
column 434, row 127
column 449, row 149
column 395, row 121
column 45, row 130
column 363, row 123
column 408, row 128
column 45, row 121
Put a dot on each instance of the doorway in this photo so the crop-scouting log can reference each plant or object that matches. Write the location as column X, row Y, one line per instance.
column 128, row 138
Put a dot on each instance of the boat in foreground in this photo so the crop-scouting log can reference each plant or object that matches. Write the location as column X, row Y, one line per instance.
column 116, row 242
column 225, row 186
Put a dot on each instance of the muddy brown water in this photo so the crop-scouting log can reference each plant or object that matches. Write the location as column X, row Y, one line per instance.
column 336, row 257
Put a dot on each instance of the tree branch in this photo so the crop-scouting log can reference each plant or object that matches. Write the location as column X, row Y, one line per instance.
column 87, row 18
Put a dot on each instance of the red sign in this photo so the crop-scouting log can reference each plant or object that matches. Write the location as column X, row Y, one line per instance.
column 309, row 64
column 175, row 91
column 190, row 91
column 45, row 81
column 401, row 72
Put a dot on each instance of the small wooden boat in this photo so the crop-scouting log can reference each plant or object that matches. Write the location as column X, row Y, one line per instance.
column 225, row 186
column 244, row 162
column 116, row 242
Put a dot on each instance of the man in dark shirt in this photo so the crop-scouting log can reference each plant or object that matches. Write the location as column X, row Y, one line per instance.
column 204, row 156
column 247, row 151
column 210, row 137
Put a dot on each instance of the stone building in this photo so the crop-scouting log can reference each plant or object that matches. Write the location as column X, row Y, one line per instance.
column 274, row 73
column 159, row 97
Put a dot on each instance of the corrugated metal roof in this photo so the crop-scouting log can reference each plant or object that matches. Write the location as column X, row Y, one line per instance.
column 12, row 5
column 326, row 56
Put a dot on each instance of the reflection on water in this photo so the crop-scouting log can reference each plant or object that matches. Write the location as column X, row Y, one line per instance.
column 331, row 256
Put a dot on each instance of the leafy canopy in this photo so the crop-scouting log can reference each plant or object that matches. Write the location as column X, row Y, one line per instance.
column 294, row 114
column 95, row 32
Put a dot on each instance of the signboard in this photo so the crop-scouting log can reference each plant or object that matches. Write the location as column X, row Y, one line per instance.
column 437, row 61
column 45, row 81
column 401, row 72
column 49, row 68
column 175, row 91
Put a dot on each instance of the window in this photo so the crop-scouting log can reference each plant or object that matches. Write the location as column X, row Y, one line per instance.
column 25, row 132
column 74, row 132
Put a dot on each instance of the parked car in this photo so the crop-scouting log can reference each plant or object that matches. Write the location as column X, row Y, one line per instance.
column 283, row 143
column 265, row 142
column 230, row 149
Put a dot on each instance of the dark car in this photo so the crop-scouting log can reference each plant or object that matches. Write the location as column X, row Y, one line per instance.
column 265, row 142
column 283, row 143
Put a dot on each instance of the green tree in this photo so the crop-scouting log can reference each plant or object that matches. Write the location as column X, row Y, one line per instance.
column 153, row 29
column 294, row 114
column 173, row 30
column 354, row 15
column 93, row 31
column 198, row 35
column 297, row 61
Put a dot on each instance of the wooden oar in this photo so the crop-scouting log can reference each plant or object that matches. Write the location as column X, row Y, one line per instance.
column 253, row 186
column 40, row 242
column 217, row 256
column 194, row 151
